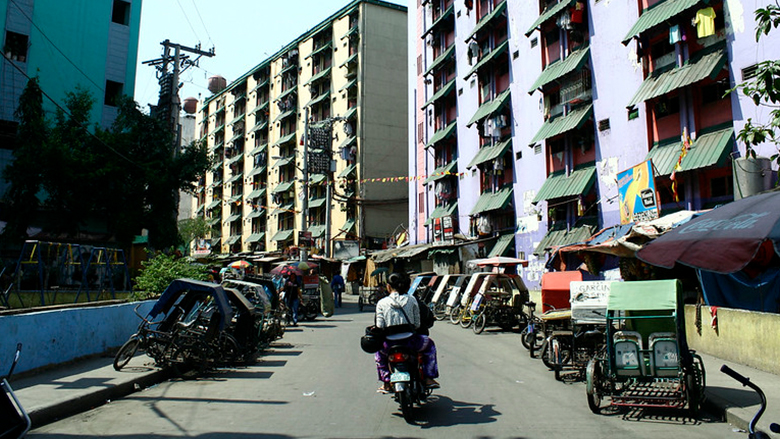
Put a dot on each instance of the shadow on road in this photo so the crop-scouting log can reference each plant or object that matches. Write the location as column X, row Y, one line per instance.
column 441, row 411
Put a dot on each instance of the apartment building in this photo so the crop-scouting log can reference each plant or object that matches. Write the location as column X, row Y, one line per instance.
column 526, row 112
column 80, row 43
column 343, row 82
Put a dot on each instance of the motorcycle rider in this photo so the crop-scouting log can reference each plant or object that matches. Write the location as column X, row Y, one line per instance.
column 399, row 315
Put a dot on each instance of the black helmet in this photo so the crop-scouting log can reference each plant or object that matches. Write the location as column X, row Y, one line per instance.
column 371, row 342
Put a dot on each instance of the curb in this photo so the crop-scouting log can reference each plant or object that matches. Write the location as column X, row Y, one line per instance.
column 727, row 412
column 42, row 415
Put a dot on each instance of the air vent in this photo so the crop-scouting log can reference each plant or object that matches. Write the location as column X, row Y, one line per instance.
column 534, row 42
column 515, row 54
column 749, row 72
column 603, row 124
column 537, row 149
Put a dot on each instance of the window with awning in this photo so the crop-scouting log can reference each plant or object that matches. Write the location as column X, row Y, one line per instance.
column 346, row 172
column 442, row 134
column 442, row 92
column 575, row 61
column 446, row 209
column 318, row 99
column 284, row 115
column 548, row 14
column 441, row 59
column 559, row 125
column 559, row 235
column 282, row 235
column 658, row 14
column 705, row 64
column 486, row 58
column 285, row 139
column 502, row 245
column 441, row 19
column 257, row 193
column 488, row 19
column 255, row 237
column 442, row 171
column 493, row 200
column 490, row 107
column 560, row 185
column 321, row 75
column 709, row 149
column 283, row 187
column 491, row 152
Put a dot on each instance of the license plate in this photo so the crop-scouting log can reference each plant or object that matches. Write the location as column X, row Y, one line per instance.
column 400, row 376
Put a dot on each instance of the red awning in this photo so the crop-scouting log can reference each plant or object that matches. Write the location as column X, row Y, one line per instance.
column 555, row 288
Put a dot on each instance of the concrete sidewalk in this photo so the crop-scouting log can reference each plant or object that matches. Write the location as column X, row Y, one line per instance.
column 75, row 388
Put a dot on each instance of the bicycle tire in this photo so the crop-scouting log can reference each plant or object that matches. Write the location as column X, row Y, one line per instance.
column 126, row 353
column 440, row 310
column 480, row 321
column 455, row 315
column 466, row 319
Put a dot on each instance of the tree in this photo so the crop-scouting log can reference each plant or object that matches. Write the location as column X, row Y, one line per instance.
column 193, row 228
column 764, row 89
column 162, row 269
column 24, row 174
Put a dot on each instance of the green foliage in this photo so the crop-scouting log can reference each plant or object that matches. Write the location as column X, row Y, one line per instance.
column 763, row 89
column 160, row 270
column 193, row 228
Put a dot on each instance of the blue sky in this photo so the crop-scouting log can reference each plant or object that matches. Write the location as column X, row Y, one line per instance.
column 242, row 32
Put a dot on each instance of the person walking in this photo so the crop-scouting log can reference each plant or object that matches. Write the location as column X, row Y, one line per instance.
column 337, row 285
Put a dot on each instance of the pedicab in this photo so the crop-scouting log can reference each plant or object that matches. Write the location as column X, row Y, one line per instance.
column 265, row 325
column 369, row 296
column 647, row 362
column 461, row 311
column 452, row 305
column 423, row 284
column 438, row 302
column 556, row 313
column 501, row 300
column 571, row 349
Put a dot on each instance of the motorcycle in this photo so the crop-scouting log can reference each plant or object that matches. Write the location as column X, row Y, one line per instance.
column 406, row 379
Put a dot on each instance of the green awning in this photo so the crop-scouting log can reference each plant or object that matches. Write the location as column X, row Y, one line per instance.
column 348, row 142
column 236, row 137
column 487, row 153
column 657, row 14
column 317, row 231
column 443, row 91
column 346, row 172
column 260, row 84
column 441, row 211
column 553, row 127
column 237, row 119
column 708, row 149
column 200, row 209
column 349, row 84
column 351, row 112
column 446, row 14
column 291, row 67
column 221, row 127
column 213, row 204
column 235, row 178
column 283, row 235
column 258, row 149
column 214, row 221
column 232, row 218
column 259, row 126
column 502, row 244
column 255, row 237
column 285, row 139
column 217, row 146
column 351, row 58
column 558, row 69
column 444, row 56
column 442, row 171
column 490, row 107
column 548, row 14
column 284, row 161
column 318, row 76
column 234, row 159
column 663, row 81
column 283, row 187
column 262, row 106
column 256, row 171
column 440, row 135
column 487, row 19
column 493, row 55
column 316, row 178
column 325, row 46
column 255, row 194
column 285, row 208
column 350, row 32
column 318, row 99
column 233, row 239
column 348, row 226
column 256, row 213
column 558, row 236
column 493, row 200
column 286, row 93
column 317, row 202
column 560, row 185
column 284, row 115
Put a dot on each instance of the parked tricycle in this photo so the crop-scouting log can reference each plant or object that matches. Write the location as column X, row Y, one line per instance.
column 647, row 362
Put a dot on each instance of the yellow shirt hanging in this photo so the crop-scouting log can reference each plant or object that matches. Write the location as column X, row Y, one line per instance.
column 705, row 22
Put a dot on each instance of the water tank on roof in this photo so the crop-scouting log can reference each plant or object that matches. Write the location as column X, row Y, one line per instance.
column 190, row 105
column 217, row 84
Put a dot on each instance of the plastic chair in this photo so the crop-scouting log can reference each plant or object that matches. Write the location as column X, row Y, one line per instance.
column 664, row 358
column 629, row 360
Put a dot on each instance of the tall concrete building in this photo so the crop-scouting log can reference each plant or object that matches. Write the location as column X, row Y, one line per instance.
column 348, row 75
column 524, row 113
column 92, row 44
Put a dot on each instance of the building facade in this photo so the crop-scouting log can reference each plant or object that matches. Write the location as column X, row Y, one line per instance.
column 82, row 43
column 344, row 83
column 526, row 112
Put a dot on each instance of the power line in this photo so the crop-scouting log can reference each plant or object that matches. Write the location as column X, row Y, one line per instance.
column 188, row 20
column 202, row 22
column 120, row 155
column 55, row 46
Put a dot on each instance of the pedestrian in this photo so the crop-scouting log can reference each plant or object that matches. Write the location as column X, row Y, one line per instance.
column 292, row 296
column 337, row 285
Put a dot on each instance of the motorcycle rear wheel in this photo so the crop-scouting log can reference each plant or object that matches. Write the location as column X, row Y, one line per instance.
column 405, row 401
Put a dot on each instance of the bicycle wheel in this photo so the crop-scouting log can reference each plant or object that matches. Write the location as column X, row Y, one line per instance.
column 480, row 321
column 126, row 353
column 466, row 319
column 440, row 310
column 455, row 315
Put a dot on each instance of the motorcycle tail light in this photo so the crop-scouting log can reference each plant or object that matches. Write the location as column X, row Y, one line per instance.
column 398, row 357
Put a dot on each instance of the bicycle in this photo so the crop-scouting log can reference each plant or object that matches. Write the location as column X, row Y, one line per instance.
column 752, row 432
column 156, row 344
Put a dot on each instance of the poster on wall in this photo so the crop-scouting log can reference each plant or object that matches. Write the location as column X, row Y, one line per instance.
column 343, row 249
column 202, row 247
column 636, row 191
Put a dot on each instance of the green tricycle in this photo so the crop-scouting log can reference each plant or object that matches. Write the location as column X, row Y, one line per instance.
column 646, row 361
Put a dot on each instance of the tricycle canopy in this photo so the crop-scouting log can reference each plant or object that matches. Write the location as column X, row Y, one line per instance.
column 648, row 295
column 185, row 287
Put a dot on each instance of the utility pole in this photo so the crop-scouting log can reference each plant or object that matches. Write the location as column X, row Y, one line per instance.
column 168, row 104
column 305, row 204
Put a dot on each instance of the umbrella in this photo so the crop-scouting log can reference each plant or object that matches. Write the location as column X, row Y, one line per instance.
column 287, row 270
column 499, row 260
column 240, row 264
column 723, row 240
column 379, row 270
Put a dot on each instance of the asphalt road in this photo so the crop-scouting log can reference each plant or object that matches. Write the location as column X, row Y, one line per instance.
column 317, row 383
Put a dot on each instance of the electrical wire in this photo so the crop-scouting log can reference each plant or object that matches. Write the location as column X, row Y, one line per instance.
column 83, row 127
column 203, row 23
column 188, row 20
column 101, row 88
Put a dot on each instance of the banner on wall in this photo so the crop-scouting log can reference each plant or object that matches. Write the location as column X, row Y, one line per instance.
column 636, row 191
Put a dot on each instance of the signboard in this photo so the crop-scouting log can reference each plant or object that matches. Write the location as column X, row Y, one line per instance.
column 589, row 301
column 344, row 250
column 202, row 247
column 304, row 239
column 636, row 191
column 442, row 229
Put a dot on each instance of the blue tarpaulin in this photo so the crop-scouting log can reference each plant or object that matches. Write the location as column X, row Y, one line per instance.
column 739, row 291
